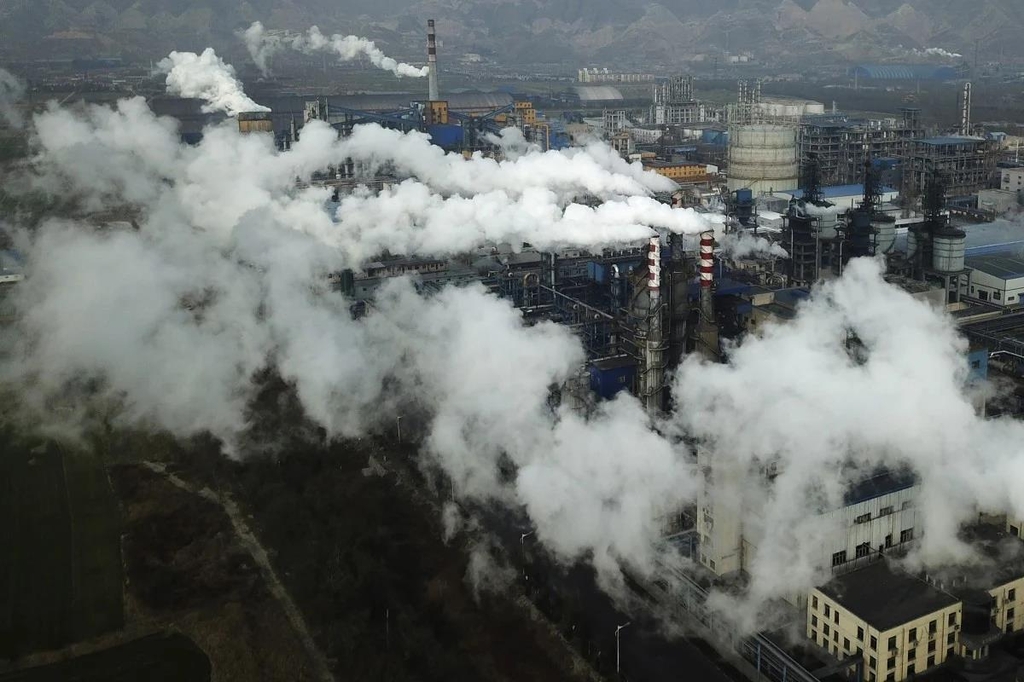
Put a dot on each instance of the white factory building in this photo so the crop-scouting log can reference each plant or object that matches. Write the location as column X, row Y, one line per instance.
column 995, row 278
column 876, row 514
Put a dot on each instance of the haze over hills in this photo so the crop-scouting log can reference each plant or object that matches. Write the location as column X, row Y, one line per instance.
column 534, row 31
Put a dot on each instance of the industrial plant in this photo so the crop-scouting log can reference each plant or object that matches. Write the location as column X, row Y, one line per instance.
column 753, row 212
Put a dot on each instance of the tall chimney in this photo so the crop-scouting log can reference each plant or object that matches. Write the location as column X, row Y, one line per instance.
column 654, row 270
column 707, row 273
column 965, row 111
column 707, row 330
column 653, row 380
column 433, row 93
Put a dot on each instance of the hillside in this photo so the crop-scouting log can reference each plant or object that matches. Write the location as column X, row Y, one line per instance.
column 530, row 31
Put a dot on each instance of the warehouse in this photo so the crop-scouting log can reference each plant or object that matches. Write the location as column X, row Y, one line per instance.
column 995, row 278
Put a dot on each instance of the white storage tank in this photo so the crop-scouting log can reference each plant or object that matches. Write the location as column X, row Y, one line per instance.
column 885, row 233
column 948, row 248
column 763, row 158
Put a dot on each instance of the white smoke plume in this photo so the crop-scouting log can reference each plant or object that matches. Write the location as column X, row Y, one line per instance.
column 743, row 244
column 11, row 91
column 207, row 77
column 827, row 415
column 224, row 277
column 262, row 45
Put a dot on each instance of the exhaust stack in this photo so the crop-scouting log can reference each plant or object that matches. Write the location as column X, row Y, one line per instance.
column 433, row 92
column 707, row 273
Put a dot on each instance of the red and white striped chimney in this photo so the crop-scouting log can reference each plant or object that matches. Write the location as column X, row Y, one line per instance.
column 707, row 259
column 707, row 271
column 654, row 268
column 433, row 93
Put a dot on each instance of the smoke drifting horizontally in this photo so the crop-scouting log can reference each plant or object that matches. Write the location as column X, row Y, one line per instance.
column 263, row 45
column 207, row 77
column 168, row 325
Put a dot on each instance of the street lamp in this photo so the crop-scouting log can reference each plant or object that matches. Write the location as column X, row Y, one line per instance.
column 522, row 549
column 621, row 627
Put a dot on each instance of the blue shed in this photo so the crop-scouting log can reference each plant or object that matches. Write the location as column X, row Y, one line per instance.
column 608, row 376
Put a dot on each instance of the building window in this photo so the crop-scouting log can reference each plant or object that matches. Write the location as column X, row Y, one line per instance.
column 846, row 644
column 825, row 629
column 863, row 518
column 907, row 535
column 912, row 654
column 1014, row 531
column 1009, row 627
column 983, row 295
column 814, row 603
column 814, row 621
column 891, row 663
column 907, row 504
column 712, row 563
column 828, row 610
column 1011, row 595
column 860, row 634
column 814, row 636
column 874, row 642
column 835, row 636
column 839, row 558
column 891, row 677
column 892, row 643
column 952, row 618
column 995, row 295
column 931, row 661
column 863, row 549
column 949, row 652
column 835, row 617
column 950, row 638
column 910, row 671
column 1009, row 614
column 885, row 511
column 933, row 627
column 912, row 635
column 871, row 662
column 931, row 646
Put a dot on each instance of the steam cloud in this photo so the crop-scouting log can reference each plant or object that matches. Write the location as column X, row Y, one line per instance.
column 166, row 326
column 11, row 91
column 262, row 45
column 207, row 77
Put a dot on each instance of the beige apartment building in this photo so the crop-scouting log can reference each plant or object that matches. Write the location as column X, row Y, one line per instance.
column 900, row 625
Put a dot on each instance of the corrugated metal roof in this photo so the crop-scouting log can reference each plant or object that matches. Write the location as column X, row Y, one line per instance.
column 904, row 71
column 1003, row 266
column 950, row 140
column 597, row 93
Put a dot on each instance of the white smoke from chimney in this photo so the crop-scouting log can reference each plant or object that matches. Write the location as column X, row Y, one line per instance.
column 11, row 92
column 262, row 45
column 207, row 77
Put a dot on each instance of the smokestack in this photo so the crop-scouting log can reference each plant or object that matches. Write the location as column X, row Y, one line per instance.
column 654, row 270
column 653, row 381
column 433, row 92
column 965, row 112
column 707, row 273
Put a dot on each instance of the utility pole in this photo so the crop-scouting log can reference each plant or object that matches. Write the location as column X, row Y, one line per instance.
column 522, row 549
column 617, row 659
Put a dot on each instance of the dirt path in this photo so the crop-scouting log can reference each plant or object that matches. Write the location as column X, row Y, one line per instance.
column 259, row 555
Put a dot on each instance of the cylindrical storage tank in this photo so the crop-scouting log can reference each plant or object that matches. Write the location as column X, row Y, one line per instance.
column 948, row 250
column 885, row 233
column 977, row 614
column 828, row 222
column 763, row 158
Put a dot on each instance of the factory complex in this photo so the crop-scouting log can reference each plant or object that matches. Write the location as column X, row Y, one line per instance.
column 788, row 193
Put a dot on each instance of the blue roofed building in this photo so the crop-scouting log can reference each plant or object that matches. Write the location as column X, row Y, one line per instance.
column 903, row 72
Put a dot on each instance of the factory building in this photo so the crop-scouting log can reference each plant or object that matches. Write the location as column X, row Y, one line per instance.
column 898, row 624
column 675, row 104
column 902, row 72
column 967, row 165
column 841, row 144
column 877, row 513
column 681, row 172
column 995, row 278
column 1012, row 179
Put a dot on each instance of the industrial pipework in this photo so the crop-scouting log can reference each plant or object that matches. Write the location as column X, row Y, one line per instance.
column 433, row 91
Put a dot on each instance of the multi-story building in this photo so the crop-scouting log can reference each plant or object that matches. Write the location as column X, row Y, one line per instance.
column 1012, row 179
column 841, row 144
column 966, row 164
column 680, row 172
column 898, row 624
column 674, row 103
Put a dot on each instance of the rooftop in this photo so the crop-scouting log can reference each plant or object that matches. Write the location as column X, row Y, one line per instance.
column 950, row 140
column 838, row 191
column 884, row 597
column 881, row 483
column 1003, row 266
